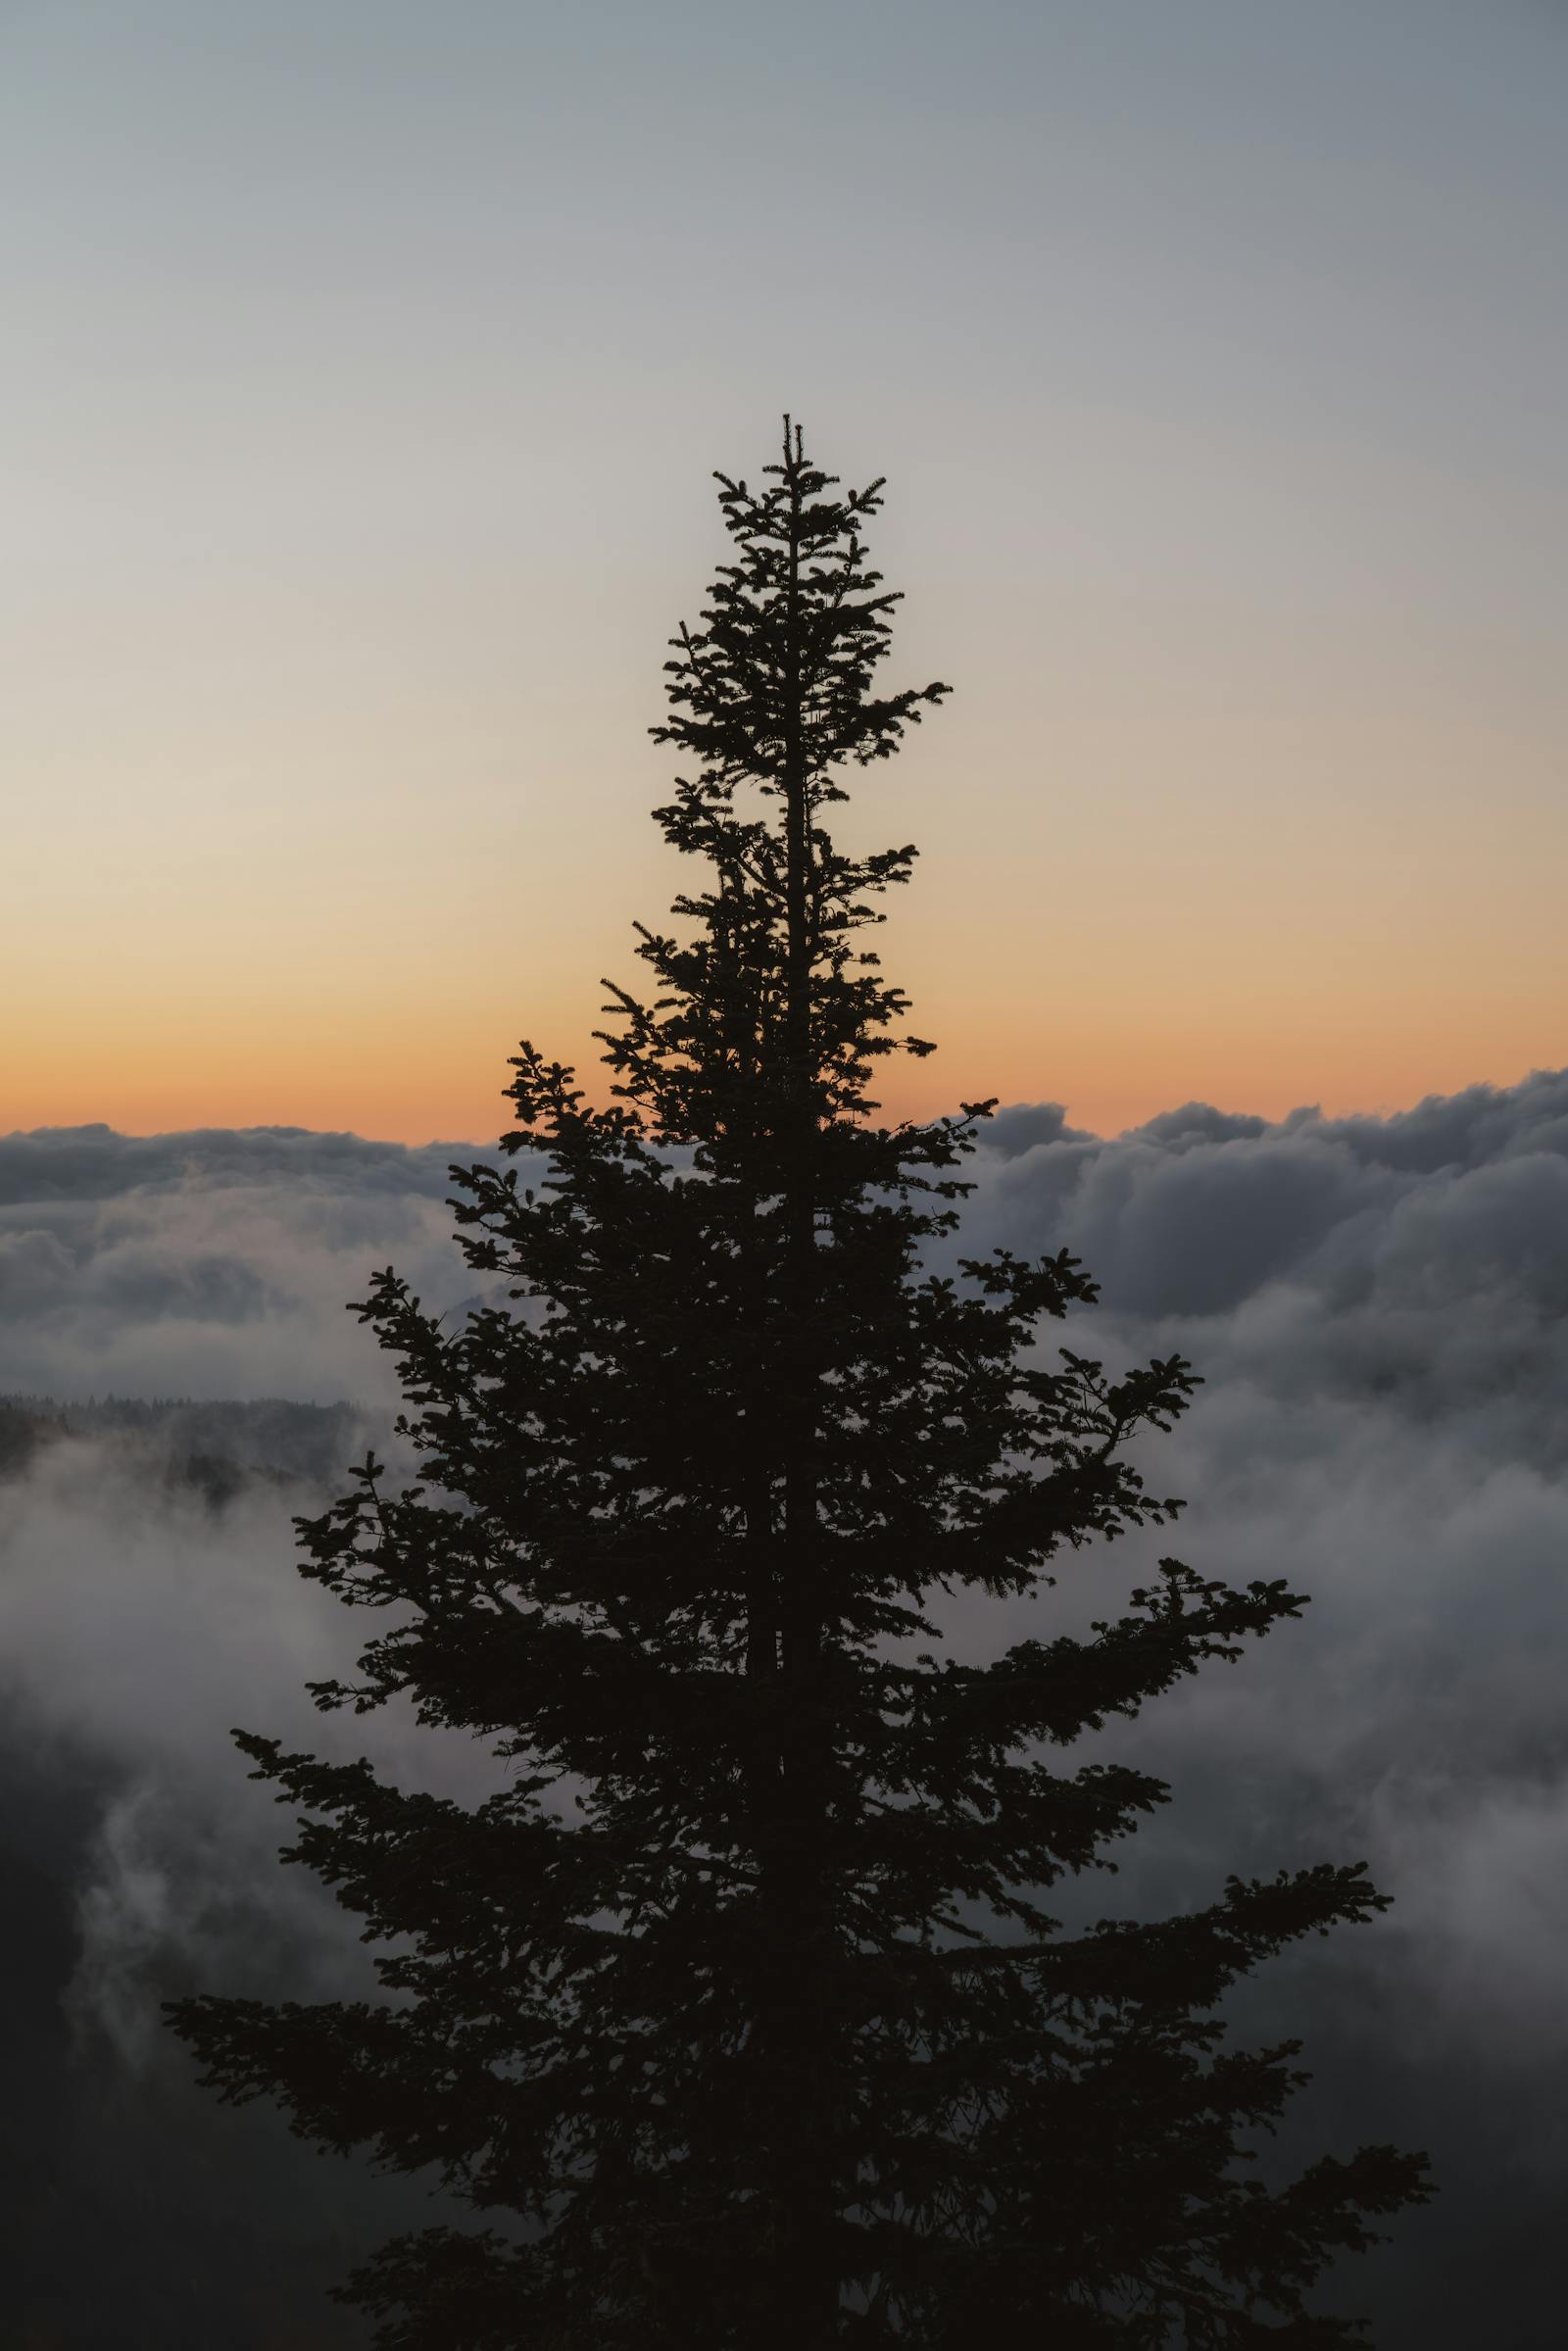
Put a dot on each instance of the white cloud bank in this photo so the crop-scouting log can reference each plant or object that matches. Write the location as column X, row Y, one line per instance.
column 1380, row 1311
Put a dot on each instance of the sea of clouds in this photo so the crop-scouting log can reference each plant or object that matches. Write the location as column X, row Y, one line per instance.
column 1379, row 1308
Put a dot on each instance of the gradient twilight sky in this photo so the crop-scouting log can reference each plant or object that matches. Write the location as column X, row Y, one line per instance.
column 365, row 366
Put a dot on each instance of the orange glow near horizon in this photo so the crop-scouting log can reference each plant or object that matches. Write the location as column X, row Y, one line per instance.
column 356, row 501
column 427, row 1061
column 1214, row 919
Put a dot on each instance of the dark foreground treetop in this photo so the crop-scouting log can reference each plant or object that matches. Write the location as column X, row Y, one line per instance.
column 738, row 2012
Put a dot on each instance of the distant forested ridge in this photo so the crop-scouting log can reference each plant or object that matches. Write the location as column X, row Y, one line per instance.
column 215, row 1449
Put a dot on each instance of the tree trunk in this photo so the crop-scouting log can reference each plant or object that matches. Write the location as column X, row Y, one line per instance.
column 805, row 2282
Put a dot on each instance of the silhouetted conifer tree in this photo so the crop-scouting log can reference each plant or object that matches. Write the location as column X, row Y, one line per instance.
column 738, row 2005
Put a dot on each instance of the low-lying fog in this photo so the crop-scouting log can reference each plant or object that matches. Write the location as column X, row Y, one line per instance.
column 1378, row 1310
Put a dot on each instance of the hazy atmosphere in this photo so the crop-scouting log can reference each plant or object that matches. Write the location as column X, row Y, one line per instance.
column 367, row 371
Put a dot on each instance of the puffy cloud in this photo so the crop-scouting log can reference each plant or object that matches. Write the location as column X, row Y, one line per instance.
column 95, row 1163
column 1378, row 1310
column 214, row 1264
column 146, row 1607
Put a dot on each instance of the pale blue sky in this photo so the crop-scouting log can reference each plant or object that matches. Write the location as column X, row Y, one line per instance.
column 362, row 367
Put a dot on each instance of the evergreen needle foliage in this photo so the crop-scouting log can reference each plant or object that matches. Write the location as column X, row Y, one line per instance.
column 737, row 2010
